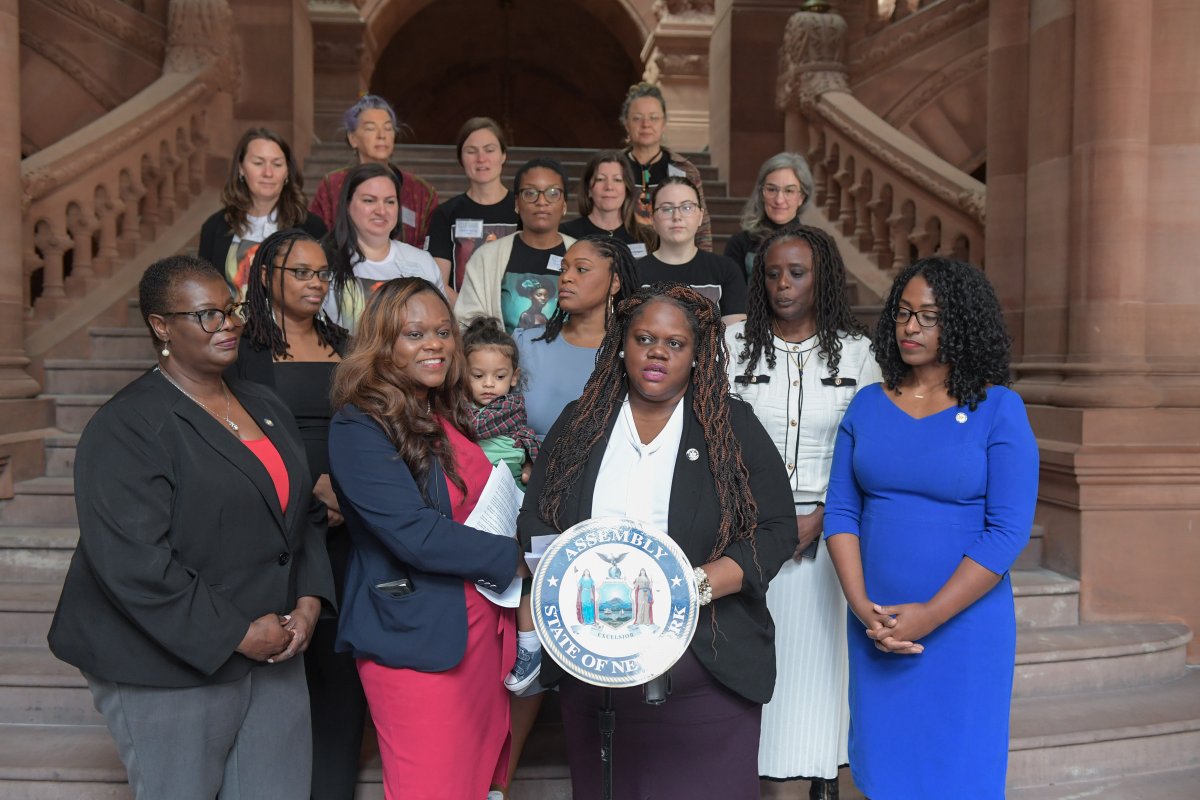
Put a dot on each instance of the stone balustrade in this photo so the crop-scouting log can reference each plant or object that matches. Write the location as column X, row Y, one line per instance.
column 890, row 197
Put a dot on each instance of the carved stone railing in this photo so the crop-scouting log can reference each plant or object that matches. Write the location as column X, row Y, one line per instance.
column 95, row 198
column 889, row 196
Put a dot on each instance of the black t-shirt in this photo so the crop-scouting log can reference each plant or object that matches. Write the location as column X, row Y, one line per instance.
column 742, row 247
column 460, row 225
column 716, row 277
column 581, row 227
column 529, row 290
column 647, row 178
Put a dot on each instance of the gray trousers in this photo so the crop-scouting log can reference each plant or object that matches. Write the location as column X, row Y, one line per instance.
column 246, row 740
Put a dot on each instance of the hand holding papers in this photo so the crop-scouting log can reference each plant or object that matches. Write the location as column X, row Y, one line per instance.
column 496, row 512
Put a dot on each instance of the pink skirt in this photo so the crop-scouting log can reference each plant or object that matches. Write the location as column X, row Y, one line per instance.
column 446, row 734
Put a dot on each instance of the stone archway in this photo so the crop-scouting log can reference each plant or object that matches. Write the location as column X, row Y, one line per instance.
column 553, row 74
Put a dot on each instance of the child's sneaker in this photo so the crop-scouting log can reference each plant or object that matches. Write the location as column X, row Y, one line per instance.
column 525, row 671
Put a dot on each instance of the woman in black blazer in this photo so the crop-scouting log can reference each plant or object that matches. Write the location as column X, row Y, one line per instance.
column 200, row 570
column 263, row 194
column 659, row 392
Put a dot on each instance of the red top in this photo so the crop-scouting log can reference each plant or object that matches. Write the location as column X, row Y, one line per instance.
column 269, row 456
column 473, row 467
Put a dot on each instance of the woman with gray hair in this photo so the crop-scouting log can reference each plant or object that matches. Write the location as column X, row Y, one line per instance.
column 782, row 192
column 644, row 115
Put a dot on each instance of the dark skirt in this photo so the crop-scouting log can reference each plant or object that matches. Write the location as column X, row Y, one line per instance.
column 702, row 742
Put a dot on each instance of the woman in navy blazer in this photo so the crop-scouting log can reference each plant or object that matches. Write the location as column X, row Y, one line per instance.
column 660, row 381
column 432, row 652
column 201, row 567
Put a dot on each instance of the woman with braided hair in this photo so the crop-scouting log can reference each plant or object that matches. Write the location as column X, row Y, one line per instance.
column 657, row 437
column 798, row 359
column 289, row 345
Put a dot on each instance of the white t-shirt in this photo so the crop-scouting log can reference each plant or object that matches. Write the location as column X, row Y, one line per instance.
column 402, row 261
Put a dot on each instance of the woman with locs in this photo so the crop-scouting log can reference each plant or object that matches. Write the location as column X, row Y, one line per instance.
column 798, row 359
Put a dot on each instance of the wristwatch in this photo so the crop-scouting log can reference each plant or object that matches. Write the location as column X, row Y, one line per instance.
column 703, row 586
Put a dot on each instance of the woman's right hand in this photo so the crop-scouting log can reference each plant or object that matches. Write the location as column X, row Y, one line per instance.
column 266, row 637
column 323, row 490
column 876, row 621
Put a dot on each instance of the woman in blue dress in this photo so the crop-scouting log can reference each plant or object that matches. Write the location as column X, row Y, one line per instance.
column 931, row 499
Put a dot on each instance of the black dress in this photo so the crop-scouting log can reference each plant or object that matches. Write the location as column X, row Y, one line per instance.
column 334, row 691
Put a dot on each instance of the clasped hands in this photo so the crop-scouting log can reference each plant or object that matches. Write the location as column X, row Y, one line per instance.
column 899, row 628
column 274, row 637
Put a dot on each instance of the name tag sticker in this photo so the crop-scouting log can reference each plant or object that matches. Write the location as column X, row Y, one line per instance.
column 408, row 216
column 555, row 263
column 638, row 249
column 675, row 172
column 468, row 229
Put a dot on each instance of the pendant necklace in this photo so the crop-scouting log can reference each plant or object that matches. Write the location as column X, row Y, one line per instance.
column 233, row 426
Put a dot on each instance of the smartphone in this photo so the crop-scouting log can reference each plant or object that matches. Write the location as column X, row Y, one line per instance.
column 396, row 588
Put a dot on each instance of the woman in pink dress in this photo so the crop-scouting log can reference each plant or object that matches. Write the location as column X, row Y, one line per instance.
column 432, row 651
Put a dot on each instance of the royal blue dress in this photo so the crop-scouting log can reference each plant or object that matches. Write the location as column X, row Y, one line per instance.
column 922, row 494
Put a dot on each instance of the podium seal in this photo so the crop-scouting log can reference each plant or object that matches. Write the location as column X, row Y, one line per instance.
column 614, row 602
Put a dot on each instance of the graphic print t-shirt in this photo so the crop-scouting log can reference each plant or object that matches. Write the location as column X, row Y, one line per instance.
column 460, row 225
column 402, row 261
column 718, row 278
column 647, row 178
column 241, row 252
column 529, row 290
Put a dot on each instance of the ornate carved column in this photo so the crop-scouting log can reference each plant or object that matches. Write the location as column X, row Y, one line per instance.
column 205, row 32
column 339, row 71
column 812, row 61
column 15, row 381
column 676, row 58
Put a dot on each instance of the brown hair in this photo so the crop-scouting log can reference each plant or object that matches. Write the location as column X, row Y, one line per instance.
column 479, row 124
column 640, row 233
column 368, row 379
column 291, row 206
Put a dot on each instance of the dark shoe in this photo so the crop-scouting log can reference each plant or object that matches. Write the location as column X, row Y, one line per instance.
column 823, row 790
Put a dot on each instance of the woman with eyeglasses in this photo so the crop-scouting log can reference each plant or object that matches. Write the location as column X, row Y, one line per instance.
column 798, row 360
column 364, row 250
column 931, row 499
column 781, row 194
column 677, row 213
column 370, row 126
column 644, row 117
column 201, row 567
column 608, row 204
column 263, row 193
column 289, row 345
column 513, row 279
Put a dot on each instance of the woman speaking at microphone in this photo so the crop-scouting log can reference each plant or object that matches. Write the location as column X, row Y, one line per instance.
column 657, row 437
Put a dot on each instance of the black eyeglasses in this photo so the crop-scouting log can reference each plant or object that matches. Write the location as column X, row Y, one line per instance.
column 926, row 319
column 531, row 195
column 304, row 273
column 213, row 319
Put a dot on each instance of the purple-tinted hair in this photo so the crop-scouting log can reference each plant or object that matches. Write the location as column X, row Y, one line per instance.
column 367, row 101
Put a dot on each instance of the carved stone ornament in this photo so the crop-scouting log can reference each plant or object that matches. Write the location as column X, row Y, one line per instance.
column 684, row 8
column 201, row 33
column 811, row 59
column 682, row 64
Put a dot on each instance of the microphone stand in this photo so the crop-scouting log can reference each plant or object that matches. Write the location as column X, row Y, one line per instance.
column 608, row 723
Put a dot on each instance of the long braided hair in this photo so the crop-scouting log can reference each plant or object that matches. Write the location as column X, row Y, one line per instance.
column 605, row 389
column 262, row 330
column 369, row 379
column 620, row 268
column 831, row 308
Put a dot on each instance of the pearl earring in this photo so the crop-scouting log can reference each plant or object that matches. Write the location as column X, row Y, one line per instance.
column 694, row 363
column 165, row 350
column 620, row 354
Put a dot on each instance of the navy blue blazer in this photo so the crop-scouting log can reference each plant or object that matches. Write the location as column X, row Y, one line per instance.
column 395, row 533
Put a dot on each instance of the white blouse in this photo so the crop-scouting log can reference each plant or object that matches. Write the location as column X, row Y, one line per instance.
column 800, row 403
column 635, row 479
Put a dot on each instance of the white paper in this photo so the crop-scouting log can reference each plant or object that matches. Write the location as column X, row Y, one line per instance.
column 675, row 172
column 496, row 513
column 408, row 216
column 554, row 263
column 638, row 250
column 539, row 545
column 468, row 229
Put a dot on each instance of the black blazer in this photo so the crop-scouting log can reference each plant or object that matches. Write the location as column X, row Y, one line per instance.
column 741, row 654
column 216, row 237
column 396, row 533
column 182, row 542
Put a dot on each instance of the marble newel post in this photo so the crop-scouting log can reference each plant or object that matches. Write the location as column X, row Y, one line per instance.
column 676, row 58
column 15, row 382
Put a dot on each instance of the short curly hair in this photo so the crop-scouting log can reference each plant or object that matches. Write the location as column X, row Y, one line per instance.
column 973, row 339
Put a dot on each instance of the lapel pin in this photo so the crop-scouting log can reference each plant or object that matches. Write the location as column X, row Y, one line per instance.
column 692, row 454
column 270, row 423
column 960, row 417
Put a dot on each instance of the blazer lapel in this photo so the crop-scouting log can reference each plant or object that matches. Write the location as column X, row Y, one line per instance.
column 591, row 471
column 290, row 450
column 690, row 474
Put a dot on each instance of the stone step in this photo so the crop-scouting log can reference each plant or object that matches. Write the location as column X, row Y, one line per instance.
column 1098, row 657
column 434, row 169
column 1099, row 735
column 1176, row 784
column 35, row 555
column 38, row 689
column 60, row 455
column 1044, row 598
column 447, row 152
column 25, row 612
column 87, row 376
column 120, row 343
column 1031, row 556
column 72, row 412
column 41, row 502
